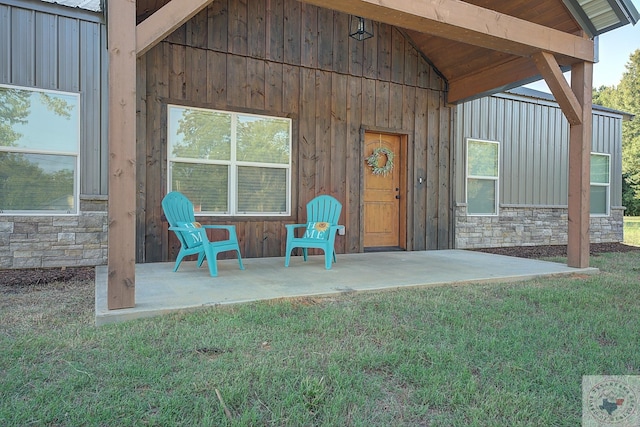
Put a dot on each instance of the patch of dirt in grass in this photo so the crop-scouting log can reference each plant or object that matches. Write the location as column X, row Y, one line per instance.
column 33, row 278
column 45, row 299
column 550, row 251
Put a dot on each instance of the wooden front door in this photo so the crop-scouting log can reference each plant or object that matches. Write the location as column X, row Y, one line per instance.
column 383, row 194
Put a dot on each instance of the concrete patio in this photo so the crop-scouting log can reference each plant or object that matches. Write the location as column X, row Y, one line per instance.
column 160, row 291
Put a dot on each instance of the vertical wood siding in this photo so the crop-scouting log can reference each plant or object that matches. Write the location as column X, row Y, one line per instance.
column 282, row 57
column 53, row 47
column 534, row 141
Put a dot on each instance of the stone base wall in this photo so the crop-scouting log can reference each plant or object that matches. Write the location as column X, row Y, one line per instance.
column 56, row 241
column 529, row 226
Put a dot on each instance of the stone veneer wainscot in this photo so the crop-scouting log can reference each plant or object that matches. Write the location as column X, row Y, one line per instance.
column 56, row 241
column 530, row 226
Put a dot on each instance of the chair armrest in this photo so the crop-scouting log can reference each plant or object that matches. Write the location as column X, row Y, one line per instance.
column 333, row 230
column 221, row 227
column 231, row 229
column 294, row 226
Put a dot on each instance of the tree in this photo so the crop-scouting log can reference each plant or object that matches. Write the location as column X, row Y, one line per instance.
column 626, row 97
column 14, row 109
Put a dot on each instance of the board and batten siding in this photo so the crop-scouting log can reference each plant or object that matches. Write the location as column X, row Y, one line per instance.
column 533, row 183
column 286, row 58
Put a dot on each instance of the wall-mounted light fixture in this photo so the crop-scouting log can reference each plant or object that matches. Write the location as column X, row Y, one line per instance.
column 359, row 30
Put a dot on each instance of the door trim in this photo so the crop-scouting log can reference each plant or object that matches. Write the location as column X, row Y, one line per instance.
column 403, row 168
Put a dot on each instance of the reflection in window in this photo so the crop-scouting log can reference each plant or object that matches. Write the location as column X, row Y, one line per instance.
column 482, row 177
column 230, row 163
column 600, row 172
column 39, row 145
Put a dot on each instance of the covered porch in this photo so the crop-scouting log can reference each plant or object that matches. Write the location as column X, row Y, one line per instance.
column 475, row 47
column 160, row 291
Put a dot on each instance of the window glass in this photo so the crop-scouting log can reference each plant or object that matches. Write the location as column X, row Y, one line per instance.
column 39, row 145
column 600, row 169
column 481, row 196
column 199, row 134
column 598, row 200
column 230, row 163
column 482, row 177
column 263, row 139
column 483, row 158
column 205, row 185
column 600, row 175
column 262, row 190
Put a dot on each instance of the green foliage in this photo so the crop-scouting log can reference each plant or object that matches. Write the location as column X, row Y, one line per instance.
column 26, row 186
column 632, row 230
column 14, row 109
column 206, row 135
column 630, row 195
column 626, row 97
column 57, row 105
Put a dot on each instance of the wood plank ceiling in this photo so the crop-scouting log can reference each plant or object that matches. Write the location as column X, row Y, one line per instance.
column 472, row 71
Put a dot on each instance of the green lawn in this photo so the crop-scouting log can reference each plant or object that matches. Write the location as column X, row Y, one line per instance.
column 632, row 230
column 481, row 355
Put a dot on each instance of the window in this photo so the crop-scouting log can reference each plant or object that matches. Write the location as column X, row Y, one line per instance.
column 482, row 177
column 39, row 145
column 230, row 163
column 600, row 173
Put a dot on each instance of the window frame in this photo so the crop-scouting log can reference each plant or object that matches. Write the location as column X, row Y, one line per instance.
column 599, row 184
column 233, row 163
column 495, row 179
column 76, row 154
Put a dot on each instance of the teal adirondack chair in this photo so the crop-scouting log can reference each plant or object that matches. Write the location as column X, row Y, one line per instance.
column 319, row 231
column 193, row 237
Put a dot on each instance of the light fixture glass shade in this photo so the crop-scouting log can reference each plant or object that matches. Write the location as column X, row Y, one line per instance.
column 359, row 29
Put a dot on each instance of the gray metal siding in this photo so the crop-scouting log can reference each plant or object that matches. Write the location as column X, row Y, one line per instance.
column 54, row 47
column 534, row 141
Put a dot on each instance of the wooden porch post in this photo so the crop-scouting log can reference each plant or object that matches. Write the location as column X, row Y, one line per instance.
column 580, row 136
column 122, row 154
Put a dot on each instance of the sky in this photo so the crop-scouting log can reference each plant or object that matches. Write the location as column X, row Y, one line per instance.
column 615, row 48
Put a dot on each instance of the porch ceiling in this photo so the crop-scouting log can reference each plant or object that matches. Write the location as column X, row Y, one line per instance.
column 473, row 67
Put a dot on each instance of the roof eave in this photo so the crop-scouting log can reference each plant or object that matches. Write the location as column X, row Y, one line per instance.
column 624, row 10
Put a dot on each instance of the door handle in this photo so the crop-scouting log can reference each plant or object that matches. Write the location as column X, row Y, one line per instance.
column 398, row 196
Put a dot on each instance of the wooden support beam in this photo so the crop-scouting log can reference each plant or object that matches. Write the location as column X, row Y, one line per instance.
column 164, row 21
column 468, row 23
column 486, row 81
column 122, row 154
column 579, row 168
column 550, row 70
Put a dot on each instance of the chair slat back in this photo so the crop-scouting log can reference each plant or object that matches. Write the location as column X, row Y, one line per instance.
column 178, row 208
column 324, row 209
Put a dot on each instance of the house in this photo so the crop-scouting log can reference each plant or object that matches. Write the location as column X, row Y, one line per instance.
column 53, row 135
column 254, row 108
column 512, row 171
